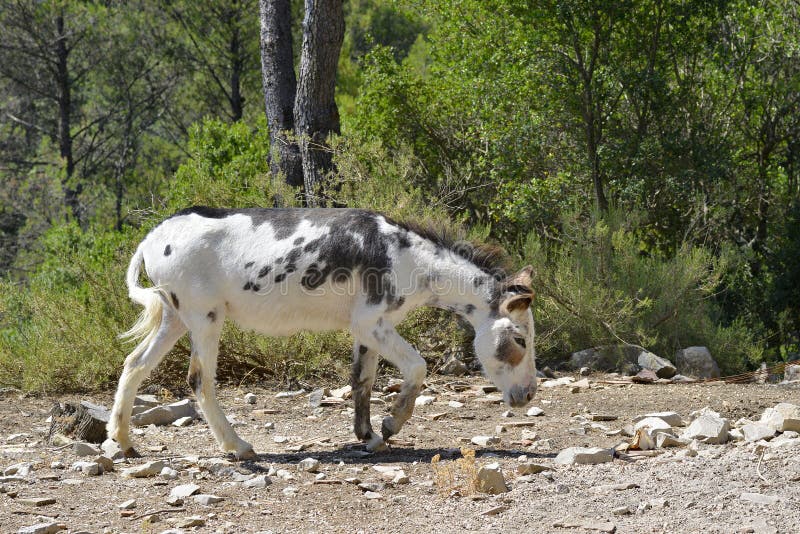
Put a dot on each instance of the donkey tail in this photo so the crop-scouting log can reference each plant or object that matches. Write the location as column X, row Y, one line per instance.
column 149, row 320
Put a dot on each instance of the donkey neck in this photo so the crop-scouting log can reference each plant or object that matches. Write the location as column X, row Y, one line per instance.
column 454, row 283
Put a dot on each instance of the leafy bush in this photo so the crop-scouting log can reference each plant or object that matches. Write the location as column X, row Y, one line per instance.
column 598, row 285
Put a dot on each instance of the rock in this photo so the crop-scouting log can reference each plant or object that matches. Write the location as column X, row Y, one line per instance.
column 708, row 428
column 455, row 404
column 624, row 510
column 81, row 448
column 183, row 421
column 149, row 469
column 507, row 413
column 759, row 498
column 563, row 381
column 168, row 473
column 581, row 384
column 653, row 425
column 174, row 501
column 490, row 480
column 148, row 401
column 130, row 504
column 36, row 501
column 289, row 394
column 645, row 376
column 43, row 528
column 111, row 449
column 485, row 441
column 495, row 510
column 250, row 398
column 534, row 411
column 184, row 490
column 784, row 416
column 208, row 500
column 166, row 414
column 791, row 373
column 309, row 465
column 605, row 358
column 671, row 418
column 344, row 392
column 584, row 455
column 584, row 371
column 661, row 366
column 21, row 469
column 259, row 481
column 757, row 431
column 372, row 495
column 668, row 440
column 91, row 469
column 315, row 398
column 189, row 522
column 530, row 468
column 83, row 422
column 424, row 400
column 453, row 366
column 697, row 362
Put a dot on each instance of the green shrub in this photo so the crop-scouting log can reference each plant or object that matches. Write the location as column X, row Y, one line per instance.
column 599, row 285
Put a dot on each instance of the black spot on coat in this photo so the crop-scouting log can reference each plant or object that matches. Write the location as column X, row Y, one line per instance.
column 248, row 264
column 264, row 271
column 174, row 298
column 167, row 250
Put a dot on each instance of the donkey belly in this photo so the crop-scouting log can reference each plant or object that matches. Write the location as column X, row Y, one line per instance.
column 282, row 315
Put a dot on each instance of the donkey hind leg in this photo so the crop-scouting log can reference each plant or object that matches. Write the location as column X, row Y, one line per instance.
column 362, row 377
column 202, row 377
column 138, row 366
column 402, row 355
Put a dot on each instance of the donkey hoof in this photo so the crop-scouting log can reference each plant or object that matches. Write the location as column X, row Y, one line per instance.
column 247, row 454
column 388, row 428
column 130, row 452
column 376, row 444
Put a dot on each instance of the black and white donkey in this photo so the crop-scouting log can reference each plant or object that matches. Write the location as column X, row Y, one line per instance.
column 279, row 271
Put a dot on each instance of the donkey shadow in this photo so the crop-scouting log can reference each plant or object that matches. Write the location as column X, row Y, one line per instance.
column 395, row 455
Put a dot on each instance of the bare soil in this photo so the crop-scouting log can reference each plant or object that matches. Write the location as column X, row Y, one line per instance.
column 666, row 492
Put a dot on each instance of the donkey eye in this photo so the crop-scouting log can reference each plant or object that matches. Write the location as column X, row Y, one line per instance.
column 520, row 341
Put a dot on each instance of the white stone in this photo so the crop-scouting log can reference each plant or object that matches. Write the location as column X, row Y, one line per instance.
column 563, row 381
column 165, row 415
column 759, row 498
column 183, row 421
column 534, row 411
column 424, row 400
column 21, row 469
column 757, row 431
column 42, row 528
column 184, row 490
column 168, row 473
column 485, row 441
column 250, row 398
column 111, row 449
column 697, row 362
column 584, row 455
column 653, row 425
column 259, row 481
column 455, row 404
column 784, row 416
column 207, row 500
column 91, row 469
column 668, row 440
column 81, row 448
column 149, row 469
column 309, row 465
column 130, row 504
column 490, row 479
column 671, row 418
column 708, row 429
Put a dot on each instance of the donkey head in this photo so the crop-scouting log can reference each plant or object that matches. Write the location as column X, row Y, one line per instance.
column 504, row 340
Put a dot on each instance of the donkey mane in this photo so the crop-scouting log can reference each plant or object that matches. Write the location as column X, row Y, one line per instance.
column 488, row 257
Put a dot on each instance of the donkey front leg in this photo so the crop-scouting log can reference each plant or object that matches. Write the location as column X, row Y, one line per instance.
column 403, row 356
column 362, row 377
column 201, row 378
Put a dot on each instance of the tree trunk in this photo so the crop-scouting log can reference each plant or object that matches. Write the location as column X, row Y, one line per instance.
column 64, row 98
column 315, row 113
column 280, row 87
column 236, row 98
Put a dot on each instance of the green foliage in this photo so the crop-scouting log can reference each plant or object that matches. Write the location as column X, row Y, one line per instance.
column 599, row 285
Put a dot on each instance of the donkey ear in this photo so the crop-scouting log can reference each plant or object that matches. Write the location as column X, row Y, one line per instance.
column 516, row 303
column 524, row 277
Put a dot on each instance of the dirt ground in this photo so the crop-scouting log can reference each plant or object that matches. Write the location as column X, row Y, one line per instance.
column 668, row 492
